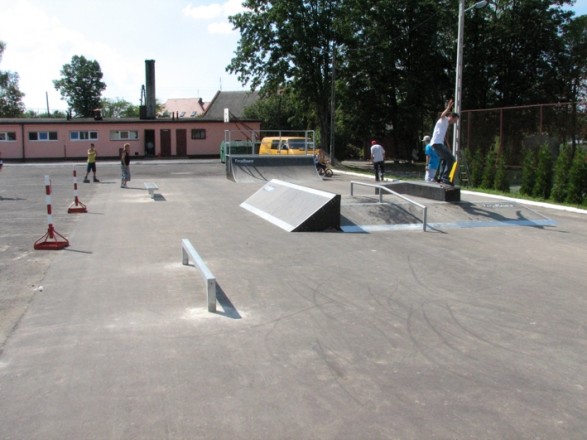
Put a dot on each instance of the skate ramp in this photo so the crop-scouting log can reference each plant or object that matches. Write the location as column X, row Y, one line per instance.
column 295, row 208
column 252, row 168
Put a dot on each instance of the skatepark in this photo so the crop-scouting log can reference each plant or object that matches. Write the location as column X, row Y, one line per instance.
column 473, row 327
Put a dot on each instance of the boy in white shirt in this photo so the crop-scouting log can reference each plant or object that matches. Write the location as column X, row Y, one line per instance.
column 378, row 159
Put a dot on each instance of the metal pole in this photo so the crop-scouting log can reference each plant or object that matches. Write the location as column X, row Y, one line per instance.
column 459, row 77
column 332, row 103
column 459, row 70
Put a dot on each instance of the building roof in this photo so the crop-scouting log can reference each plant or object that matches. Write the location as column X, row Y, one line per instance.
column 235, row 102
column 185, row 107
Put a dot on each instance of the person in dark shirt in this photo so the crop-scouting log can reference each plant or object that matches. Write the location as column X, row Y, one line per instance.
column 125, row 165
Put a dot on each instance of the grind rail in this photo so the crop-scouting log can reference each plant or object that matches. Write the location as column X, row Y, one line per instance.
column 382, row 188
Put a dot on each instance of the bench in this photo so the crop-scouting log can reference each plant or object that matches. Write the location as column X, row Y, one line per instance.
column 151, row 187
column 188, row 251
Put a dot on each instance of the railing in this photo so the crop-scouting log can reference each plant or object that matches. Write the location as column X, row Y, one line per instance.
column 382, row 188
column 210, row 280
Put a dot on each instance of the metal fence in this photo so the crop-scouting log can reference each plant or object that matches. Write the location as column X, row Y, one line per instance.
column 514, row 129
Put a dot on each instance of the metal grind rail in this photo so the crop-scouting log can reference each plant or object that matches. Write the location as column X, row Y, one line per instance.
column 401, row 196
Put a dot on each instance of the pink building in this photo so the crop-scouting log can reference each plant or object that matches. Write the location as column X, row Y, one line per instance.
column 31, row 139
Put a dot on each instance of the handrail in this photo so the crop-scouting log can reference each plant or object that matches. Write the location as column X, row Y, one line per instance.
column 187, row 251
column 401, row 196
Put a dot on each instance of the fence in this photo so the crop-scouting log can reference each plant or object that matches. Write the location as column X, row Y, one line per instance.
column 513, row 129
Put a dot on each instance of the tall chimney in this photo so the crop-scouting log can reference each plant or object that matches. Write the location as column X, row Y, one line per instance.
column 150, row 100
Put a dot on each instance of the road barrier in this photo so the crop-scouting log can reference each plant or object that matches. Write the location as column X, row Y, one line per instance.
column 76, row 206
column 52, row 240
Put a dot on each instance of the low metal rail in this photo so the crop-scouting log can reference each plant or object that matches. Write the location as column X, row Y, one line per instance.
column 401, row 196
column 188, row 251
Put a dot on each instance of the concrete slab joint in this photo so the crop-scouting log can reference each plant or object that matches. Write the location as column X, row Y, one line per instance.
column 188, row 251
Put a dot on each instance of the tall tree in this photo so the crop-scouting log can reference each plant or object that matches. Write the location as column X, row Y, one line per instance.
column 288, row 43
column 119, row 108
column 395, row 69
column 81, row 85
column 11, row 104
column 395, row 59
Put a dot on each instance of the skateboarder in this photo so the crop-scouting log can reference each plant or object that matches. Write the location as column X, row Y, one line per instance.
column 447, row 117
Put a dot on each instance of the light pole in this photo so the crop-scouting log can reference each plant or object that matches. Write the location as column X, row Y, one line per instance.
column 459, row 70
column 332, row 104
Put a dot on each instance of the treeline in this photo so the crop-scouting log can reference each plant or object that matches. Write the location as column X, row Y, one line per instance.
column 393, row 62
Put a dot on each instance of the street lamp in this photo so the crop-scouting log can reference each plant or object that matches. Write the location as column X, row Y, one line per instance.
column 332, row 100
column 459, row 69
column 332, row 104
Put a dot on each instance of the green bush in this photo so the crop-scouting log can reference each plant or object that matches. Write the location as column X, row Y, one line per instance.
column 488, row 178
column 528, row 172
column 501, row 182
column 475, row 162
column 543, row 180
column 577, row 181
column 561, row 174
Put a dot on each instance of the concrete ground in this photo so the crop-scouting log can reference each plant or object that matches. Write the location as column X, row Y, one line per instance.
column 473, row 329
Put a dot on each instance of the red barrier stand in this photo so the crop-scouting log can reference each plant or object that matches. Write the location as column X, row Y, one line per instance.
column 76, row 206
column 52, row 240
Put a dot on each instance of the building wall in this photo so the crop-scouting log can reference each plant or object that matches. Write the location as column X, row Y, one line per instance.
column 68, row 144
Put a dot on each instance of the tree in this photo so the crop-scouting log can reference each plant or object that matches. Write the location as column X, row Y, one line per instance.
column 577, row 186
column 119, row 108
column 289, row 43
column 395, row 61
column 561, row 174
column 11, row 104
column 544, row 167
column 280, row 111
column 81, row 85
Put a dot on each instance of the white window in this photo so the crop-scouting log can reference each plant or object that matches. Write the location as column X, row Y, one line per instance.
column 42, row 135
column 7, row 136
column 124, row 135
column 83, row 135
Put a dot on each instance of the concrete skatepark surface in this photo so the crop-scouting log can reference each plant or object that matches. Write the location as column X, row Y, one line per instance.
column 458, row 332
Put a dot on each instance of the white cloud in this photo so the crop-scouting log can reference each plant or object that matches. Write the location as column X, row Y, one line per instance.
column 232, row 7
column 206, row 12
column 214, row 10
column 220, row 28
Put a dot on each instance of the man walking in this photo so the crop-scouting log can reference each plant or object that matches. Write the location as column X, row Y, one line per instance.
column 447, row 117
column 378, row 159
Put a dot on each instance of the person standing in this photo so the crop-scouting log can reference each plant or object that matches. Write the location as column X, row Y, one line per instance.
column 447, row 117
column 378, row 159
column 125, row 165
column 91, row 164
column 432, row 160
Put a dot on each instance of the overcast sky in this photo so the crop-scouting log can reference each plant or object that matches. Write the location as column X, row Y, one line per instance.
column 191, row 42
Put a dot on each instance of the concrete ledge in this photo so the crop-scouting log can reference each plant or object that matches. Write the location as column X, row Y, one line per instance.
column 151, row 187
column 427, row 190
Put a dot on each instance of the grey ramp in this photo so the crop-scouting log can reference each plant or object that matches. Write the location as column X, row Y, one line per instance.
column 295, row 208
column 248, row 168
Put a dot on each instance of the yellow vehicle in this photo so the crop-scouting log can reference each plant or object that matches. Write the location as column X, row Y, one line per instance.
column 286, row 145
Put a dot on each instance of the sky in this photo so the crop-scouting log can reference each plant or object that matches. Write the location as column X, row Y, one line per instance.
column 191, row 42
